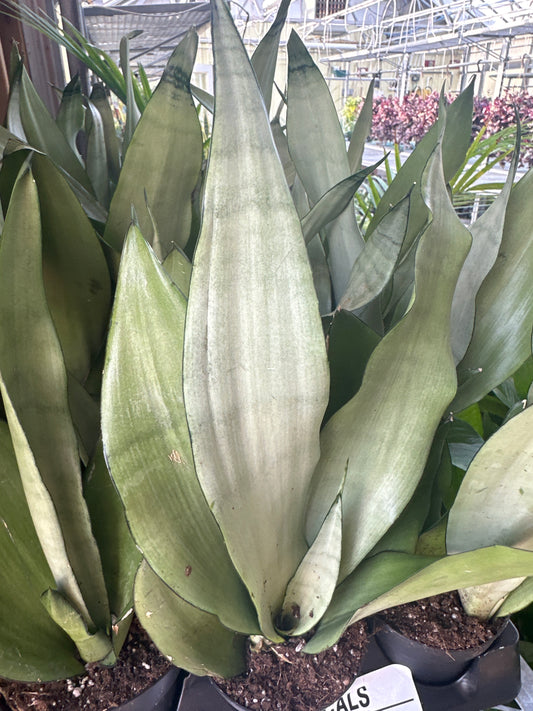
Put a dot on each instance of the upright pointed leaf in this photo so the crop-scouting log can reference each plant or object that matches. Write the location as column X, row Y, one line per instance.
column 132, row 111
column 97, row 154
column 361, row 131
column 253, row 410
column 34, row 387
column 265, row 55
column 144, row 430
column 71, row 114
column 318, row 149
column 504, row 306
column 384, row 434
column 76, row 275
column 487, row 233
column 163, row 160
column 99, row 100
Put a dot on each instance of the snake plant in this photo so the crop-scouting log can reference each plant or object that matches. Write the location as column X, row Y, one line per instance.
column 277, row 482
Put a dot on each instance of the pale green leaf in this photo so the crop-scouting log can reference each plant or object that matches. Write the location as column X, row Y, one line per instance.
column 31, row 645
column 493, row 505
column 487, row 233
column 34, row 387
column 501, row 340
column 310, row 590
column 190, row 638
column 163, row 161
column 133, row 113
column 253, row 410
column 146, row 441
column 374, row 266
column 179, row 269
column 265, row 56
column 318, row 149
column 361, row 131
column 388, row 427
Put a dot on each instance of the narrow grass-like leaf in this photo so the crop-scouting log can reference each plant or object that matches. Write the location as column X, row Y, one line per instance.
column 253, row 410
column 318, row 149
column 145, row 430
column 310, row 590
column 189, row 637
column 504, row 306
column 361, row 131
column 487, row 233
column 265, row 55
column 333, row 202
column 493, row 505
column 374, row 266
column 34, row 387
column 409, row 380
column 75, row 271
column 163, row 161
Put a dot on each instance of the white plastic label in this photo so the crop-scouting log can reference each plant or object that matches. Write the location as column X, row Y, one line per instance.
column 390, row 687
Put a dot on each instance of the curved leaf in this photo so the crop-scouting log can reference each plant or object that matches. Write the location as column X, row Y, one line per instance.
column 361, row 131
column 163, row 160
column 384, row 434
column 190, row 638
column 147, row 446
column 253, row 410
column 265, row 56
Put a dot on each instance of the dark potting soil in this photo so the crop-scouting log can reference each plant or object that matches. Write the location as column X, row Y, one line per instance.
column 100, row 688
column 441, row 622
column 284, row 677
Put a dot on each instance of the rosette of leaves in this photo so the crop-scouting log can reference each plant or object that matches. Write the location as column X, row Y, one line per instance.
column 273, row 485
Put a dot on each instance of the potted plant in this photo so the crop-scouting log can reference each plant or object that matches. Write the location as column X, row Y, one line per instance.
column 254, row 517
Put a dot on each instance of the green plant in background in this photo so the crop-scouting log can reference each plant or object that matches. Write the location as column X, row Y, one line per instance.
column 275, row 487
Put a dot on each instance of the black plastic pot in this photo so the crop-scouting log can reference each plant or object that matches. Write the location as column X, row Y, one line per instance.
column 163, row 695
column 490, row 679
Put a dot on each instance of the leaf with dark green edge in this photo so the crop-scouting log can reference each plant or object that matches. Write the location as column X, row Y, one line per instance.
column 179, row 268
column 374, row 266
column 350, row 344
column 374, row 577
column 96, row 162
column 144, row 429
column 133, row 113
column 392, row 579
column 206, row 99
column 318, row 149
column 71, row 114
column 409, row 380
column 361, row 131
column 190, row 638
column 487, row 234
column 163, row 161
column 493, row 505
column 253, row 410
column 120, row 556
column 265, row 56
column 75, row 272
column 334, row 202
column 13, row 117
column 504, row 306
column 464, row 443
column 309, row 592
column 99, row 100
column 321, row 276
column 31, row 645
column 92, row 646
column 454, row 145
column 43, row 133
column 34, row 389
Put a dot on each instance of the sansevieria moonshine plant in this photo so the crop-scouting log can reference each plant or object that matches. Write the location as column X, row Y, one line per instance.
column 276, row 481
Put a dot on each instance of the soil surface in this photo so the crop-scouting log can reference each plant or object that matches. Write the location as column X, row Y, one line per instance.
column 101, row 688
column 283, row 677
column 440, row 622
